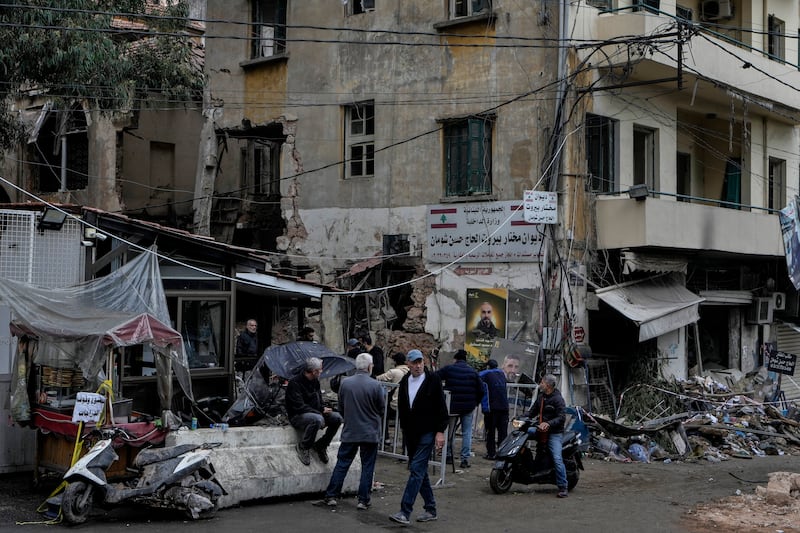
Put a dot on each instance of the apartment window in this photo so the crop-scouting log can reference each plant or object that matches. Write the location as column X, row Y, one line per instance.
column 775, row 29
column 683, row 174
column 269, row 28
column 467, row 8
column 468, row 156
column 776, row 191
column 683, row 13
column 601, row 152
column 605, row 5
column 652, row 6
column 644, row 157
column 360, row 139
column 260, row 168
column 357, row 7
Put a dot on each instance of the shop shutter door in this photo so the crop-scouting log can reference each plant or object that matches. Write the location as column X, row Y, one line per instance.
column 789, row 342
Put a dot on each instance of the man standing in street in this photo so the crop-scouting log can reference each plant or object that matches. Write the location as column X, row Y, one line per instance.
column 466, row 391
column 307, row 413
column 423, row 419
column 495, row 408
column 548, row 410
column 378, row 357
column 361, row 403
column 247, row 341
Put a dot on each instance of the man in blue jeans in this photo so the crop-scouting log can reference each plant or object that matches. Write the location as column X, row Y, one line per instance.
column 466, row 391
column 307, row 413
column 361, row 403
column 423, row 417
column 548, row 410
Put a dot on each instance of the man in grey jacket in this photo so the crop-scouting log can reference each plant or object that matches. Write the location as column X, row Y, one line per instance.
column 361, row 403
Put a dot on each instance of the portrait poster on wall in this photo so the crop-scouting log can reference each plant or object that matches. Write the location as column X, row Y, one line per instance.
column 486, row 316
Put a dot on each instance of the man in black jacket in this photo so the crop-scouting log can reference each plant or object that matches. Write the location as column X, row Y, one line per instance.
column 466, row 392
column 548, row 410
column 423, row 418
column 307, row 413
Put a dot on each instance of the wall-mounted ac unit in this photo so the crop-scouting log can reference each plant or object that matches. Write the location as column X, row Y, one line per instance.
column 711, row 10
column 779, row 301
column 760, row 311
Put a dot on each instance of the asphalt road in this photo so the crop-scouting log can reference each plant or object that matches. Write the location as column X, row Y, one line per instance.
column 610, row 497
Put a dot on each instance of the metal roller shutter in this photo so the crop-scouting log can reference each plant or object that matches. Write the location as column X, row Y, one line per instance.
column 789, row 342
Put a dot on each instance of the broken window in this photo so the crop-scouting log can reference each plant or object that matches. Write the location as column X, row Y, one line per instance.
column 776, row 190
column 467, row 8
column 360, row 140
column 357, row 7
column 62, row 140
column 776, row 28
column 269, row 28
column 601, row 152
column 468, row 156
column 652, row 6
column 260, row 168
column 644, row 157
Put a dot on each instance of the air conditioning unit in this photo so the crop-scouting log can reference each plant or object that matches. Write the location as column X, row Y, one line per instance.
column 779, row 301
column 711, row 10
column 761, row 311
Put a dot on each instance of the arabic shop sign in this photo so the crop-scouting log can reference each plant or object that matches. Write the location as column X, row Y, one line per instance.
column 486, row 231
column 540, row 207
column 781, row 362
column 88, row 407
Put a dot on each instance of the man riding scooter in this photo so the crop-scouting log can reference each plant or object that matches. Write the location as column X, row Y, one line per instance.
column 549, row 409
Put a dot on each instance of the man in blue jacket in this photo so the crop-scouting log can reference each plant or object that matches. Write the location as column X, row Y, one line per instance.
column 466, row 391
column 494, row 406
column 423, row 417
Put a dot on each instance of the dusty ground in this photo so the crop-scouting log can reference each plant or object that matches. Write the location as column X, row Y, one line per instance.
column 679, row 497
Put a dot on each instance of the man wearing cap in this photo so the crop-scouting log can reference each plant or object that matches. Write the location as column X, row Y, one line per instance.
column 353, row 348
column 423, row 418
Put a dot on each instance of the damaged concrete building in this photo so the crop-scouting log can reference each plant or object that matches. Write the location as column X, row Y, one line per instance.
column 387, row 146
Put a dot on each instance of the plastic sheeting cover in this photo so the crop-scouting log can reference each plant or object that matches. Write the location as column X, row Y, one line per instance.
column 75, row 324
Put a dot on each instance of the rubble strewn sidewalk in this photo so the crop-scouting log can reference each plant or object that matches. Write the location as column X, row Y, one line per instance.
column 717, row 424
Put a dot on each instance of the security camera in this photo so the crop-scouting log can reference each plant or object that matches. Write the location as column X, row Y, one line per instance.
column 100, row 236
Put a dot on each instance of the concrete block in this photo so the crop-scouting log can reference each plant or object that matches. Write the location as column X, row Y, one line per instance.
column 260, row 462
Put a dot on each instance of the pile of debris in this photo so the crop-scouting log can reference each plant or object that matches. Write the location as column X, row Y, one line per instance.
column 702, row 418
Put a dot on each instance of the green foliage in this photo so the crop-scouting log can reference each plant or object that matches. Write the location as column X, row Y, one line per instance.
column 109, row 55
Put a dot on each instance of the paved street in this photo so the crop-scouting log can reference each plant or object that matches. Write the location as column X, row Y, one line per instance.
column 610, row 497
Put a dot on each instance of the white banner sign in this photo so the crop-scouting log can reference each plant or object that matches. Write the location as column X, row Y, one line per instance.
column 88, row 407
column 541, row 207
column 497, row 229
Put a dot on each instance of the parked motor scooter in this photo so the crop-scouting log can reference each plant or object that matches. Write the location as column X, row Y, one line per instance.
column 177, row 477
column 520, row 459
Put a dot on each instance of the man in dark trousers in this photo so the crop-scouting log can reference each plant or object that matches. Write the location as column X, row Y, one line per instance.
column 307, row 413
column 361, row 403
column 495, row 407
column 548, row 410
column 423, row 418
column 466, row 391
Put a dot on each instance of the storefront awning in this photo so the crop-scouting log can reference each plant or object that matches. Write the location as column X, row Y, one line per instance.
column 657, row 305
column 280, row 284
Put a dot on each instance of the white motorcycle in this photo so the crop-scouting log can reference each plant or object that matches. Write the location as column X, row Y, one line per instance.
column 178, row 477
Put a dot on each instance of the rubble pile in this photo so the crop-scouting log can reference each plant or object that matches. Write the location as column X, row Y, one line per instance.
column 703, row 419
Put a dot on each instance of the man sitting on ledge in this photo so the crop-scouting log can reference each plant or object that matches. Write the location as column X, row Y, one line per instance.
column 308, row 415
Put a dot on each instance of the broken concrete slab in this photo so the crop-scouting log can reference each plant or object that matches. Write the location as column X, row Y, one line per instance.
column 259, row 462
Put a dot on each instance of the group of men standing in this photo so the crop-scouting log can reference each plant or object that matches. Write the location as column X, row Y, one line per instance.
column 423, row 417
